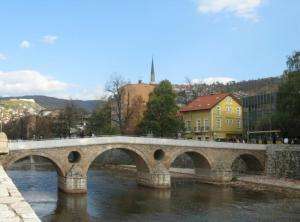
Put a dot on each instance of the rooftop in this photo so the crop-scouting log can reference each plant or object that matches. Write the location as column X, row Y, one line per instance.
column 204, row 102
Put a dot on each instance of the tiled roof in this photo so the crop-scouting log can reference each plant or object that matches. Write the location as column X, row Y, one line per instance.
column 204, row 102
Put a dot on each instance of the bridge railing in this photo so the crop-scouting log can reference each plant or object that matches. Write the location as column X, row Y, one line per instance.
column 61, row 142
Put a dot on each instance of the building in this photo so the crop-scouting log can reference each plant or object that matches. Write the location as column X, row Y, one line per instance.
column 134, row 98
column 213, row 117
column 257, row 113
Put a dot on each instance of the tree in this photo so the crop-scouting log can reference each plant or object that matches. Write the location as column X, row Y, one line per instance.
column 43, row 127
column 293, row 62
column 161, row 117
column 100, row 121
column 114, row 87
column 287, row 117
column 68, row 120
column 134, row 114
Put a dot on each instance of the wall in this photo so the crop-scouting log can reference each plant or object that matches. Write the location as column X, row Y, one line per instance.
column 226, row 129
column 13, row 207
column 283, row 161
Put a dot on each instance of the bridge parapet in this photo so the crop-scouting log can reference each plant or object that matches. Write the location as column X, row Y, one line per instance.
column 3, row 144
column 56, row 143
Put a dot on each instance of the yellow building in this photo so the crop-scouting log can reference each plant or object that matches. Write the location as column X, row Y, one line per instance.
column 213, row 117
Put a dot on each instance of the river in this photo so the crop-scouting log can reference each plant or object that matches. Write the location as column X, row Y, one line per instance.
column 114, row 196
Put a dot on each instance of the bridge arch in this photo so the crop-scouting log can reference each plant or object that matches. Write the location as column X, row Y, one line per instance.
column 56, row 164
column 247, row 163
column 140, row 159
column 200, row 159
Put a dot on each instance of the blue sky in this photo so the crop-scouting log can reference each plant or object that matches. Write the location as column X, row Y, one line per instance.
column 70, row 48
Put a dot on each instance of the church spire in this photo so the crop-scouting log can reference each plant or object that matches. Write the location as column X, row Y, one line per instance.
column 152, row 78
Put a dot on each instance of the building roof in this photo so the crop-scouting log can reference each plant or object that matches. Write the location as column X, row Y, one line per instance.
column 205, row 102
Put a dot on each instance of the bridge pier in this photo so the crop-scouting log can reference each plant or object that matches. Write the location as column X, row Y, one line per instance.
column 75, row 181
column 154, row 180
column 218, row 176
column 159, row 177
column 72, row 184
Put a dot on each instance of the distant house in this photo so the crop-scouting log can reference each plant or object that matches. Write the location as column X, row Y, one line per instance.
column 213, row 117
column 52, row 113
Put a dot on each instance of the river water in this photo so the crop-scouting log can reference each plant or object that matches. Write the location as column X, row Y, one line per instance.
column 114, row 196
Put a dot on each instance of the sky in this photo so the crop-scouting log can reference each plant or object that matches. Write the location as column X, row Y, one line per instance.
column 70, row 48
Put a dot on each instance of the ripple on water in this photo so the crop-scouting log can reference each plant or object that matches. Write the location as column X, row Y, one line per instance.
column 113, row 197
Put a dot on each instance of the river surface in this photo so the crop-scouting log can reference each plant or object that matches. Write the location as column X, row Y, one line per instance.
column 114, row 196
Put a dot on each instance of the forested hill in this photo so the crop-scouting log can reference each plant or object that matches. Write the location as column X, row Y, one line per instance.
column 56, row 103
column 242, row 88
column 253, row 87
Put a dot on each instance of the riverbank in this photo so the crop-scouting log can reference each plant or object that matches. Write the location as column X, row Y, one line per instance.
column 265, row 183
column 251, row 182
column 13, row 207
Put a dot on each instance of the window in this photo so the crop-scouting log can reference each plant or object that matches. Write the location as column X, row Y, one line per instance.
column 239, row 125
column 198, row 125
column 218, row 123
column 229, row 122
column 228, row 109
column 218, row 110
column 206, row 124
column 238, row 111
column 188, row 125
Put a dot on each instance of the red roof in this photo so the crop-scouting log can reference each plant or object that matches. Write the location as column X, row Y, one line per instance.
column 204, row 102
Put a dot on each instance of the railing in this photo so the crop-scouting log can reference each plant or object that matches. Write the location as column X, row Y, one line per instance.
column 59, row 142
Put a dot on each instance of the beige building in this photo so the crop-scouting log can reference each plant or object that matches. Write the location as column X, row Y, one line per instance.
column 134, row 99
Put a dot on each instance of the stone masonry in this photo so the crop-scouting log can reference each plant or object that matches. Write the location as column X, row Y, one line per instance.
column 153, row 158
column 283, row 161
column 13, row 207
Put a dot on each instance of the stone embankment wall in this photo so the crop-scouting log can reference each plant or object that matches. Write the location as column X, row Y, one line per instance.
column 13, row 207
column 283, row 161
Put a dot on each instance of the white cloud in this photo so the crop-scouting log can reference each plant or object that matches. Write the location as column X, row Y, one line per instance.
column 25, row 44
column 211, row 80
column 25, row 82
column 92, row 93
column 2, row 56
column 31, row 82
column 241, row 8
column 49, row 39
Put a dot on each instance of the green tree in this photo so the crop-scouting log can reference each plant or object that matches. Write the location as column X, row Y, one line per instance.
column 68, row 121
column 287, row 117
column 99, row 122
column 293, row 62
column 161, row 117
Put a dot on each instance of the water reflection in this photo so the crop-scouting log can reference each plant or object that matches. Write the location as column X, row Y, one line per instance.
column 114, row 196
column 70, row 208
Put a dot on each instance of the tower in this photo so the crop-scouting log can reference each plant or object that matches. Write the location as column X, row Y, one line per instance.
column 152, row 77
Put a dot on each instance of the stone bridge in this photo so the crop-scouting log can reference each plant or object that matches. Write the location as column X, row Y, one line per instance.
column 153, row 158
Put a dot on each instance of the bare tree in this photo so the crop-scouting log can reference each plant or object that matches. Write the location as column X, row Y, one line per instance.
column 114, row 88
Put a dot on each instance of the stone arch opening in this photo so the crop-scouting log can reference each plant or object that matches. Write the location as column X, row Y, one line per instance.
column 159, row 154
column 34, row 159
column 74, row 157
column 34, row 173
column 246, row 164
column 191, row 162
column 120, row 156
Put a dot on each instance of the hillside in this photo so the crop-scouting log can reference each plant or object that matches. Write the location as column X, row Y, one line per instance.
column 56, row 103
column 188, row 92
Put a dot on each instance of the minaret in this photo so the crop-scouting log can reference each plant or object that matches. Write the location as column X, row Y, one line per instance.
column 152, row 78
